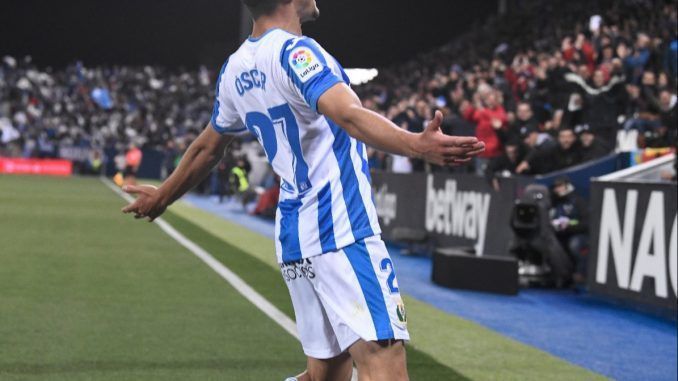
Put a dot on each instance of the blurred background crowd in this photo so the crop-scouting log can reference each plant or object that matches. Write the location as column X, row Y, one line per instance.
column 80, row 113
column 544, row 89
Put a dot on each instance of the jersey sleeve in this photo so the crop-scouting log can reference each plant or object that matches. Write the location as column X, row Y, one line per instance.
column 225, row 118
column 306, row 65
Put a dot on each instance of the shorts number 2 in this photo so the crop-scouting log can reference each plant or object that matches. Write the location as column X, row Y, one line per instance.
column 387, row 265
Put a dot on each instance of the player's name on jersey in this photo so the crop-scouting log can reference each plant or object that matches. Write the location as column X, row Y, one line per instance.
column 249, row 80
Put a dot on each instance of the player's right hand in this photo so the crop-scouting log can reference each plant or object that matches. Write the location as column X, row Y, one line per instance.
column 436, row 147
column 148, row 204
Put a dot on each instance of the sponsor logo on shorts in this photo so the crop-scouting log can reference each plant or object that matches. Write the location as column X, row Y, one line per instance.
column 302, row 268
column 400, row 311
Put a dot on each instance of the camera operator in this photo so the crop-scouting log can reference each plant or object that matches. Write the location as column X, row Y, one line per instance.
column 569, row 219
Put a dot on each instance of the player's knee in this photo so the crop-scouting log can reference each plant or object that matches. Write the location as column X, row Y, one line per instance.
column 337, row 368
column 373, row 348
column 367, row 351
column 380, row 360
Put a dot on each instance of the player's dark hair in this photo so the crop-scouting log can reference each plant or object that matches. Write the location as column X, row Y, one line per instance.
column 262, row 7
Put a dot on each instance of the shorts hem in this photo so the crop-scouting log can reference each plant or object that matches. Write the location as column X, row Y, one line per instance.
column 386, row 336
column 322, row 354
column 344, row 349
column 405, row 338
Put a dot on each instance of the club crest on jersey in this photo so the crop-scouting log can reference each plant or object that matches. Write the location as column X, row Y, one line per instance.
column 304, row 63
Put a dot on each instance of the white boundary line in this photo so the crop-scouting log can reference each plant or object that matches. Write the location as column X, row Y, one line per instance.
column 229, row 276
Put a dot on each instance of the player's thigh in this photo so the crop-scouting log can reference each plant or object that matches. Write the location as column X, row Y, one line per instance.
column 359, row 291
column 315, row 330
column 380, row 360
column 338, row 368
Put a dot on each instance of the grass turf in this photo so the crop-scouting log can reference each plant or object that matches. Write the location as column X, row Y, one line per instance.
column 87, row 294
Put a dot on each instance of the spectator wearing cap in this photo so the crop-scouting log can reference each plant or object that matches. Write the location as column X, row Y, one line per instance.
column 591, row 147
column 534, row 139
column 534, row 143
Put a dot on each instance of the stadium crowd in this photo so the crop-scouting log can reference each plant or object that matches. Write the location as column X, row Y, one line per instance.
column 545, row 85
column 56, row 113
column 545, row 89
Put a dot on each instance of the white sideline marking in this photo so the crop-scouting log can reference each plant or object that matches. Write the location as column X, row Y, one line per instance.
column 229, row 276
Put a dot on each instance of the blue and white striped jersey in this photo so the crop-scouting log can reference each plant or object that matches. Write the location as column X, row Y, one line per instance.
column 270, row 86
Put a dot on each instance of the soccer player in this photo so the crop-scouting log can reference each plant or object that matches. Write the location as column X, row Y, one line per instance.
column 295, row 98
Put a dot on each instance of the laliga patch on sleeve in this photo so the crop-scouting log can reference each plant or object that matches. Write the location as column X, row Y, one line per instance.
column 305, row 63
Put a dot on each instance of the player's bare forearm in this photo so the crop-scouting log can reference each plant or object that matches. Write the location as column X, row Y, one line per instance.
column 200, row 157
column 382, row 135
column 340, row 104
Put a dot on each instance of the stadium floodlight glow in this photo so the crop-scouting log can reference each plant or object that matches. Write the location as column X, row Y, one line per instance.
column 361, row 76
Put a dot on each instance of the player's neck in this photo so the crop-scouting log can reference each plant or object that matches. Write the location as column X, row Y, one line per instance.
column 286, row 22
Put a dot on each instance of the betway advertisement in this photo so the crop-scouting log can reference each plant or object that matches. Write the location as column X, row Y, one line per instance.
column 52, row 167
column 454, row 209
column 633, row 242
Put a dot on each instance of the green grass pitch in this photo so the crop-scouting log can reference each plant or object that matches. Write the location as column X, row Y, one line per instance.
column 87, row 293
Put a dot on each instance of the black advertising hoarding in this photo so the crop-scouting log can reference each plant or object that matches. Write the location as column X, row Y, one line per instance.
column 633, row 242
column 400, row 200
column 454, row 209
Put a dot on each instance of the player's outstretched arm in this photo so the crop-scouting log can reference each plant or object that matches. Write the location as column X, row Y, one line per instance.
column 343, row 106
column 200, row 157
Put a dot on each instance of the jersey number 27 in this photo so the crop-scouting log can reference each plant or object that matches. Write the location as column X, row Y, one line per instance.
column 263, row 126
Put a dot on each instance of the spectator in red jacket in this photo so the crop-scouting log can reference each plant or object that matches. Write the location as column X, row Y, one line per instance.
column 488, row 115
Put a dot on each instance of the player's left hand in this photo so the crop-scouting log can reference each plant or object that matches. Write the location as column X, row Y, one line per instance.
column 437, row 148
column 148, row 204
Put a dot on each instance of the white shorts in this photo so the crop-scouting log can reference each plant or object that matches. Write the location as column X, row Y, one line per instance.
column 346, row 295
